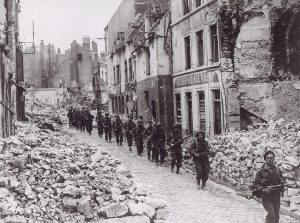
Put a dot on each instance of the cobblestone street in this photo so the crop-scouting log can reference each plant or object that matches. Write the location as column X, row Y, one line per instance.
column 217, row 204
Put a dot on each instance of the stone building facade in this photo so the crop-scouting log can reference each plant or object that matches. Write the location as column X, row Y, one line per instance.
column 234, row 63
column 139, row 66
column 9, row 55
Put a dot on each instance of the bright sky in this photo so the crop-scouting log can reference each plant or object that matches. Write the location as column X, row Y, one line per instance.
column 61, row 21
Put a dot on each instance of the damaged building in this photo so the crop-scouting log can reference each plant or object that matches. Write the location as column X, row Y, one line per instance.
column 140, row 68
column 235, row 63
column 11, row 92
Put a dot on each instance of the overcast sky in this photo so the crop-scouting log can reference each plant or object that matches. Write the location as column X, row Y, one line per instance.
column 61, row 21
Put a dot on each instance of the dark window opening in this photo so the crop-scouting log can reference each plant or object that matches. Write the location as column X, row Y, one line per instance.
column 153, row 109
column 295, row 47
column 126, row 71
column 187, row 45
column 200, row 48
column 79, row 56
column 186, row 6
column 190, row 112
column 148, row 70
column 146, row 98
column 198, row 3
column 214, row 44
column 217, row 112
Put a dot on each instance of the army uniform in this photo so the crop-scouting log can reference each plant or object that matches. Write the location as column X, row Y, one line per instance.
column 199, row 149
column 139, row 137
column 148, row 134
column 107, row 127
column 99, row 120
column 118, row 125
column 129, row 128
column 174, row 141
column 158, row 141
column 269, row 175
column 89, row 122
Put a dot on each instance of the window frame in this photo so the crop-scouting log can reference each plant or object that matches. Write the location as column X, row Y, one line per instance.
column 186, row 59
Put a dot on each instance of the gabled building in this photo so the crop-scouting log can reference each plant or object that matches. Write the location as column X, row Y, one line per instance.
column 139, row 66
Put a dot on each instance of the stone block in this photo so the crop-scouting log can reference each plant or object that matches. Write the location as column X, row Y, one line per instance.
column 129, row 219
column 115, row 210
column 71, row 191
column 3, row 192
column 162, row 214
column 293, row 192
column 69, row 203
column 84, row 207
column 15, row 219
column 290, row 160
column 295, row 199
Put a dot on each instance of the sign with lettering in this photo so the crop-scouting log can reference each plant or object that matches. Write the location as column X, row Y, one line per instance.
column 197, row 78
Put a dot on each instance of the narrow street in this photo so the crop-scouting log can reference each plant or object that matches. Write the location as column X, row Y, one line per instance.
column 186, row 204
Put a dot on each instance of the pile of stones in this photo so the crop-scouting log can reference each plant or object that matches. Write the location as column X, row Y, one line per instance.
column 240, row 154
column 45, row 176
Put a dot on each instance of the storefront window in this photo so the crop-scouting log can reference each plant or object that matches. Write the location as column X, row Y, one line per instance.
column 178, row 108
column 202, row 111
column 217, row 112
column 190, row 112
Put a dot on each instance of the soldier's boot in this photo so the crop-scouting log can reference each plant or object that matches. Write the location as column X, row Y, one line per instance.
column 130, row 149
column 177, row 171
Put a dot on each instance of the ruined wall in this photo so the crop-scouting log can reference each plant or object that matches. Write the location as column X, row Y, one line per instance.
column 272, row 101
column 2, row 22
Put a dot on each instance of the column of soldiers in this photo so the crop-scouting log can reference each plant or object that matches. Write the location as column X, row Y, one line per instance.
column 81, row 119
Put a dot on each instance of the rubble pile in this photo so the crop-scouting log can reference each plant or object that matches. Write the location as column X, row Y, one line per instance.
column 240, row 154
column 47, row 177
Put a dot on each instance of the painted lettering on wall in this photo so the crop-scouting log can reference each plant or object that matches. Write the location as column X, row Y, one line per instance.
column 195, row 79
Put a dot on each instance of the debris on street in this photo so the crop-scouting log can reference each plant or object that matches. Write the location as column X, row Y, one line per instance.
column 48, row 177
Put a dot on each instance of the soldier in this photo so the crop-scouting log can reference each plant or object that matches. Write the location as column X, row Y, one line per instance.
column 107, row 127
column 118, row 129
column 269, row 183
column 199, row 149
column 89, row 122
column 139, row 137
column 70, row 115
column 158, row 141
column 129, row 130
column 148, row 134
column 174, row 141
column 99, row 120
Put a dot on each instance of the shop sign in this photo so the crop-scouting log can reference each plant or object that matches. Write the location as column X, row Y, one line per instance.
column 196, row 79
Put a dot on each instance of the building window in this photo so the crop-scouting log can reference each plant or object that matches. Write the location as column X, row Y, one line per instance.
column 126, row 71
column 134, row 70
column 118, row 75
column 178, row 108
column 189, row 112
column 146, row 98
column 187, row 46
column 115, row 79
column 200, row 48
column 79, row 56
column 202, row 111
column 214, row 44
column 186, row 6
column 198, row 3
column 130, row 69
column 217, row 112
column 148, row 70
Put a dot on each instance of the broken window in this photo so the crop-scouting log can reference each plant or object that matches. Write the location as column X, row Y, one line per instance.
column 178, row 108
column 200, row 48
column 214, row 44
column 186, row 6
column 202, row 111
column 187, row 45
column 217, row 112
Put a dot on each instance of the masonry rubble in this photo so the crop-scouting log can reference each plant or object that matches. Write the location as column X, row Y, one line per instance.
column 240, row 154
column 48, row 177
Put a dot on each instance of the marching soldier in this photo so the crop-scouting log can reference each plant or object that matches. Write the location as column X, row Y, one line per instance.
column 70, row 115
column 99, row 120
column 118, row 125
column 148, row 134
column 129, row 130
column 174, row 141
column 139, row 137
column 89, row 122
column 158, row 142
column 107, row 127
column 200, row 151
column 269, row 184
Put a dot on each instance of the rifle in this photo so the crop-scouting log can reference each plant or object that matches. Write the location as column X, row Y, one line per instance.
column 179, row 142
column 259, row 192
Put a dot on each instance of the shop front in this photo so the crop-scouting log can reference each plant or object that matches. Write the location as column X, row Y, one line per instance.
column 198, row 103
